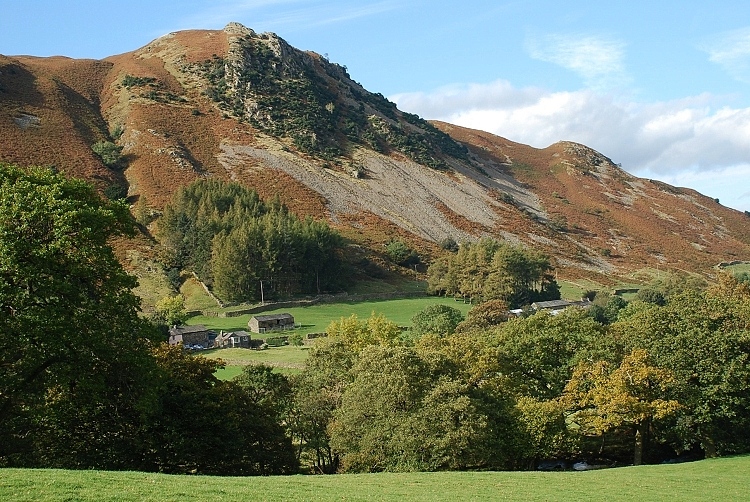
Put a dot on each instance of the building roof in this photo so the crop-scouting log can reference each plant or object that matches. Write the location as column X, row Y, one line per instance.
column 183, row 330
column 273, row 317
column 552, row 304
column 560, row 304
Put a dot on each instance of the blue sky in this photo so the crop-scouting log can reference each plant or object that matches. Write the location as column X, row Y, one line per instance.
column 661, row 87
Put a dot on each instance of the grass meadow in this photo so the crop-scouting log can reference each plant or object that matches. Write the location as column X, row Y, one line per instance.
column 316, row 318
column 722, row 479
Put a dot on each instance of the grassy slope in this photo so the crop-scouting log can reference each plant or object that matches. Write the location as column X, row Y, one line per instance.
column 717, row 479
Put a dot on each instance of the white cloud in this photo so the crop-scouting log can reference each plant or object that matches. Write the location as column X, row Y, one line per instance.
column 721, row 184
column 458, row 98
column 598, row 60
column 731, row 51
column 665, row 140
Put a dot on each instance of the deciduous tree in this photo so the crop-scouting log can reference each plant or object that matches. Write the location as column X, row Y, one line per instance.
column 633, row 394
column 71, row 333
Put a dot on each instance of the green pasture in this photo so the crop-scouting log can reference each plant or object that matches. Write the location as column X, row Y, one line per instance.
column 287, row 359
column 716, row 479
column 316, row 318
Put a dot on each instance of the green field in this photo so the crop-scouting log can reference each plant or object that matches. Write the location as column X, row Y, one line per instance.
column 316, row 318
column 286, row 359
column 722, row 479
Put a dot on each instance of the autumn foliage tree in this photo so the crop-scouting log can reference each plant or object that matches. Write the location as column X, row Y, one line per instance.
column 633, row 394
column 702, row 338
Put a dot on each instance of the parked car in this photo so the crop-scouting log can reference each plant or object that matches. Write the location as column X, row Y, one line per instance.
column 585, row 466
column 552, row 465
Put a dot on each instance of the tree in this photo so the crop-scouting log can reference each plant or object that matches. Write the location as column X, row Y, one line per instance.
column 436, row 319
column 401, row 254
column 449, row 244
column 410, row 410
column 356, row 334
column 702, row 338
column 485, row 315
column 317, row 394
column 71, row 334
column 545, row 432
column 170, row 310
column 207, row 426
column 494, row 270
column 649, row 295
column 232, row 240
column 607, row 307
column 538, row 354
column 633, row 394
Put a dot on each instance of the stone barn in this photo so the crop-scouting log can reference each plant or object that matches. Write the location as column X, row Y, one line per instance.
column 190, row 336
column 271, row 322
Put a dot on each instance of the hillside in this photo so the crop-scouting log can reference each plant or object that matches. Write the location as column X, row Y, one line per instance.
column 238, row 105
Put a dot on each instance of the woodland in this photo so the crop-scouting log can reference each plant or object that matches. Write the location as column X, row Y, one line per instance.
column 88, row 382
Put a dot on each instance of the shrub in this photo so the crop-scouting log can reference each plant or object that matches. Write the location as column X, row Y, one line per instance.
column 110, row 153
column 401, row 254
column 130, row 81
column 449, row 244
column 276, row 341
column 116, row 191
column 117, row 131
column 296, row 339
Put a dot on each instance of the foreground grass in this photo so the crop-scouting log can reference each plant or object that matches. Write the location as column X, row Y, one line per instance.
column 716, row 479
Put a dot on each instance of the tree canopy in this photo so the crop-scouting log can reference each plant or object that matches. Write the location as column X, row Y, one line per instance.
column 70, row 324
column 84, row 382
column 494, row 270
column 233, row 240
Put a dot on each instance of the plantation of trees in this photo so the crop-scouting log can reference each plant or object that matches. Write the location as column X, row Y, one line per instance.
column 233, row 240
column 87, row 382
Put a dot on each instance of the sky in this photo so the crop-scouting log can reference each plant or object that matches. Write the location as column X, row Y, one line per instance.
column 662, row 87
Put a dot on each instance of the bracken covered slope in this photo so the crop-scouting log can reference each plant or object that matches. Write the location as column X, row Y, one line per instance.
column 242, row 106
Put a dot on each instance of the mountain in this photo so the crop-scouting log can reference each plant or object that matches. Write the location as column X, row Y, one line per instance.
column 242, row 106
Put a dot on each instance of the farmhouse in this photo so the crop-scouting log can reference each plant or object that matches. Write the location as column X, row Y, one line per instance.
column 233, row 339
column 271, row 322
column 190, row 336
